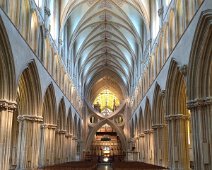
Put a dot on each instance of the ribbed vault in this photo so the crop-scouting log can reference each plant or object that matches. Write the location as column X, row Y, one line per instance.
column 104, row 34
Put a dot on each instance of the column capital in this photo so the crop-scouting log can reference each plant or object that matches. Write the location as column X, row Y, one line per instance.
column 32, row 118
column 160, row 12
column 68, row 135
column 141, row 135
column 47, row 11
column 8, row 105
column 177, row 117
column 74, row 138
column 158, row 126
column 148, row 131
column 199, row 102
column 61, row 131
column 49, row 126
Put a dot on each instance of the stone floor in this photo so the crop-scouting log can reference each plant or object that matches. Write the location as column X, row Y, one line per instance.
column 104, row 167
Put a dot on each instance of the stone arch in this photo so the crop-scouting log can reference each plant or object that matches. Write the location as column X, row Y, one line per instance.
column 25, row 19
column 149, row 148
column 75, row 125
column 49, row 106
column 7, row 96
column 100, row 124
column 147, row 116
column 160, row 128
column 141, row 120
column 177, row 117
column 34, row 31
column 61, row 116
column 60, row 152
column 200, row 90
column 136, row 125
column 48, row 127
column 69, row 122
column 79, row 131
column 29, row 91
column 29, row 116
column 158, row 116
column 180, row 18
column 172, row 33
column 132, row 129
column 7, row 67
column 200, row 62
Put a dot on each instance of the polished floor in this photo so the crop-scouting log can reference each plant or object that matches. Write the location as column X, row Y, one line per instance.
column 104, row 167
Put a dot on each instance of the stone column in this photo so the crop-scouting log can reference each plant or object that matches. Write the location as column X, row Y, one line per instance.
column 201, row 110
column 142, row 154
column 47, row 145
column 68, row 147
column 160, row 144
column 6, row 116
column 74, row 148
column 140, row 147
column 28, row 141
column 149, row 157
column 60, row 148
column 178, row 142
column 52, row 131
column 155, row 128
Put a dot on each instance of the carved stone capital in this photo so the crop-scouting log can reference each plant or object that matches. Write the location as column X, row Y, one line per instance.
column 60, row 131
column 31, row 118
column 74, row 138
column 148, row 131
column 183, row 69
column 160, row 11
column 162, row 93
column 141, row 135
column 47, row 11
column 7, row 105
column 49, row 126
column 201, row 102
column 68, row 135
column 158, row 126
column 177, row 117
column 60, row 41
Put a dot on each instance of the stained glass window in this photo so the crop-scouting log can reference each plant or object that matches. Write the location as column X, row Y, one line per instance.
column 106, row 100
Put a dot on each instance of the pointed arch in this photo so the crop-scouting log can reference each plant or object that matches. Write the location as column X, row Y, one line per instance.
column 25, row 19
column 200, row 88
column 141, row 120
column 147, row 116
column 29, row 91
column 100, row 124
column 158, row 107
column 34, row 31
column 175, row 91
column 79, row 129
column 177, row 117
column 200, row 61
column 69, row 122
column 61, row 116
column 172, row 33
column 7, row 67
column 180, row 18
column 49, row 111
column 136, row 125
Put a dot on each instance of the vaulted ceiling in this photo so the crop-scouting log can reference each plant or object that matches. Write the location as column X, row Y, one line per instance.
column 105, row 36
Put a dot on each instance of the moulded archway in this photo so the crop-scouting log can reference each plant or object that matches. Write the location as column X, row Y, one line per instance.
column 200, row 90
column 177, row 117
column 100, row 124
column 160, row 128
column 29, row 116
column 7, row 96
column 49, row 112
